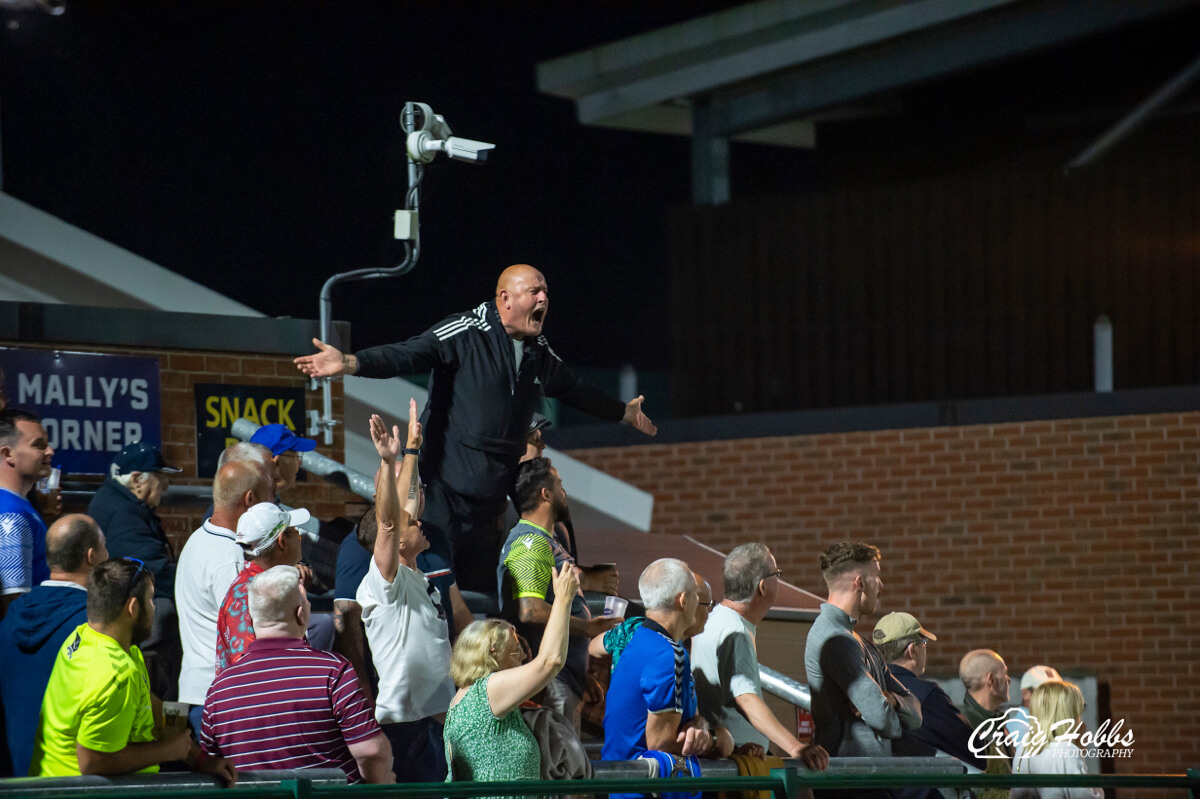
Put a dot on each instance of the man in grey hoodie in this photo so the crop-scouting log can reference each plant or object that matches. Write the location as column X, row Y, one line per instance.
column 38, row 622
column 858, row 707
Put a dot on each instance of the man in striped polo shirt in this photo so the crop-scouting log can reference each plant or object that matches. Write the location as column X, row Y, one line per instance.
column 285, row 705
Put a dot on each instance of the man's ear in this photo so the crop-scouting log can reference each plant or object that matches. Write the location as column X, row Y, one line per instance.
column 133, row 606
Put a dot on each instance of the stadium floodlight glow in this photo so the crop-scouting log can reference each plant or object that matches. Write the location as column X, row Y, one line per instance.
column 434, row 136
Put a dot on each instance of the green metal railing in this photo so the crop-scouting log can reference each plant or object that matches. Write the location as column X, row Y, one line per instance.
column 784, row 783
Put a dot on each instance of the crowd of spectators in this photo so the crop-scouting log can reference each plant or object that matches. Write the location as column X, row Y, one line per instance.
column 265, row 693
column 401, row 683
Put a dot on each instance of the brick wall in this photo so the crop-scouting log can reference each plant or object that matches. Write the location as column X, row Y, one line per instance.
column 1073, row 542
column 179, row 371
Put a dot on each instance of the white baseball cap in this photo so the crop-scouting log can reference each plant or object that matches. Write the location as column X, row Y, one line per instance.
column 261, row 525
column 1038, row 675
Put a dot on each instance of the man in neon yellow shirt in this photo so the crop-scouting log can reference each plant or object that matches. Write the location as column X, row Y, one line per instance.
column 98, row 715
column 527, row 563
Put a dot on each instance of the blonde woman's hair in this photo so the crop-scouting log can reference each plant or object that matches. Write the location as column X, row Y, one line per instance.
column 475, row 652
column 1052, row 702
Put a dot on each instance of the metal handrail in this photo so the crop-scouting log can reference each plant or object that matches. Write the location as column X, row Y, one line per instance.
column 318, row 464
column 785, row 783
column 779, row 684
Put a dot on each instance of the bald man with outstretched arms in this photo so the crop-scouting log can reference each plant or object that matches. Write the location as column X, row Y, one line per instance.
column 490, row 368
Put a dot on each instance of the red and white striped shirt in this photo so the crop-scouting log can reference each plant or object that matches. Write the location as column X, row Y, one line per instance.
column 285, row 705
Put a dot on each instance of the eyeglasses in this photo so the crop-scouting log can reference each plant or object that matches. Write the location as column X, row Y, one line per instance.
column 138, row 573
column 776, row 573
column 712, row 603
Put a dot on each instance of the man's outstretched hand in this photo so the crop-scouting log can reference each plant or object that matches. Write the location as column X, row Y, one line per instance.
column 636, row 419
column 328, row 361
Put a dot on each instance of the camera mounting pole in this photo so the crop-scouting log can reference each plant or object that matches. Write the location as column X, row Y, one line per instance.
column 426, row 134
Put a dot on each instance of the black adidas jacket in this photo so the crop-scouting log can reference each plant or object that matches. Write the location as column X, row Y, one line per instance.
column 479, row 405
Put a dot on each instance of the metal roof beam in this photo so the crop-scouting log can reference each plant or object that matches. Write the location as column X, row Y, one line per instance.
column 605, row 86
column 922, row 57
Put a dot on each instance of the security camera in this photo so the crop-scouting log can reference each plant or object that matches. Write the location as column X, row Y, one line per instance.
column 468, row 149
column 423, row 147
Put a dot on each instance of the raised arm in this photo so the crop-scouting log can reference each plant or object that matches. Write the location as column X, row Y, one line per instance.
column 392, row 517
column 508, row 688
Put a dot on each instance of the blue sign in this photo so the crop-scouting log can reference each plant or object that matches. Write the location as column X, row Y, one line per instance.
column 91, row 405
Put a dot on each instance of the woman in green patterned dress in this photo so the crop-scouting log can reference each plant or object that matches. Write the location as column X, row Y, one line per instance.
column 486, row 737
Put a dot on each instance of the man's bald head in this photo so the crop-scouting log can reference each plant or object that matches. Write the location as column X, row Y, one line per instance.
column 523, row 300
column 239, row 484
column 70, row 539
column 976, row 665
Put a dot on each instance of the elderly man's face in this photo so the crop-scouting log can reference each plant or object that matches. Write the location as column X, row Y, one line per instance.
column 704, row 600
column 151, row 488
column 288, row 464
column 1000, row 681
column 691, row 600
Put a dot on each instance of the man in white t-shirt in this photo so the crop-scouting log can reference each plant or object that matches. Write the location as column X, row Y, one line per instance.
column 208, row 564
column 725, row 659
column 404, row 617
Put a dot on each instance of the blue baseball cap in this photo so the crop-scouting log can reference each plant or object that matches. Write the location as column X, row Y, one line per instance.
column 280, row 439
column 142, row 456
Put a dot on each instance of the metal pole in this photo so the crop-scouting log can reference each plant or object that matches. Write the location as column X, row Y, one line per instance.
column 412, row 253
column 1102, row 354
column 784, row 687
column 320, row 465
column 1137, row 116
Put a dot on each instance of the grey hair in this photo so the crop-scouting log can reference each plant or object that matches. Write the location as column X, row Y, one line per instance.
column 894, row 650
column 125, row 479
column 745, row 567
column 245, row 451
column 977, row 664
column 273, row 594
column 662, row 581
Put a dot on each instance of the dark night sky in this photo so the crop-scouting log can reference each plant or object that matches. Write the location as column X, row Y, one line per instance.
column 255, row 147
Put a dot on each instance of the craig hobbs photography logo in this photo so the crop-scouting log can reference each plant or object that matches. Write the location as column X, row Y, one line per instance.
column 1015, row 729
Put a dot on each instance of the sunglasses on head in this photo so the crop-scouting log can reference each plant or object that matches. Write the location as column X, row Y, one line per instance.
column 141, row 566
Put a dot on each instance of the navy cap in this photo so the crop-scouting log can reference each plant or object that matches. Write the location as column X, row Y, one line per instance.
column 142, row 456
column 280, row 439
column 538, row 422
